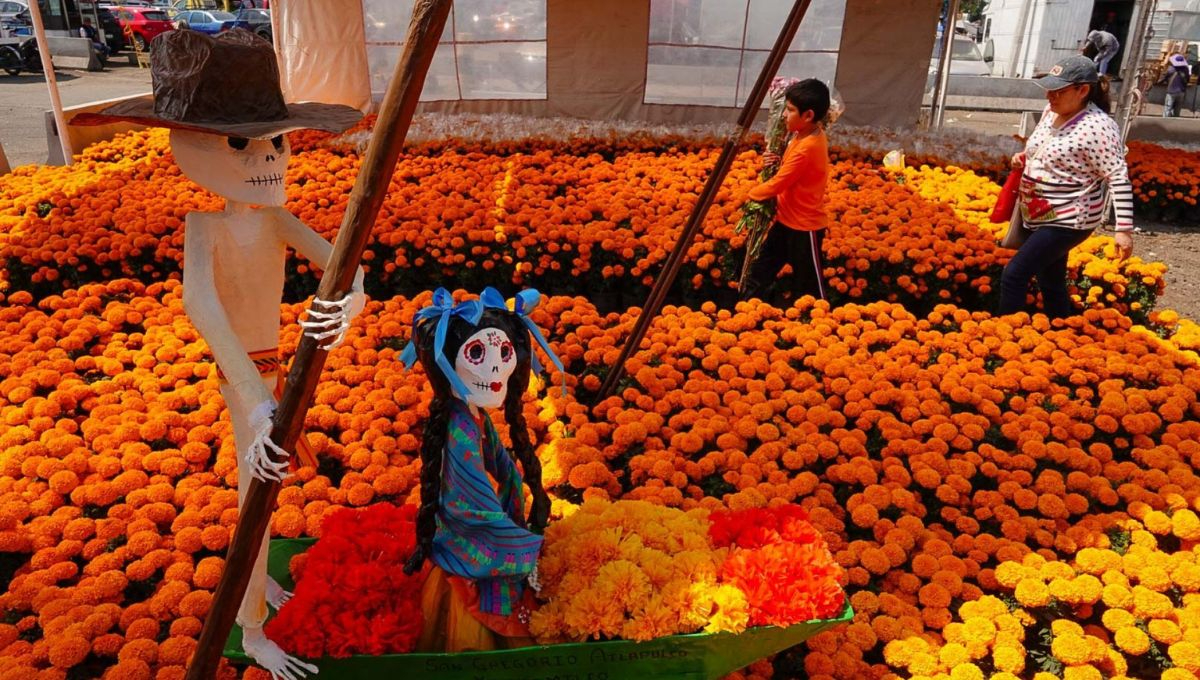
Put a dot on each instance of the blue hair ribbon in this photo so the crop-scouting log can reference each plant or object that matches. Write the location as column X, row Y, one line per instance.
column 524, row 302
column 443, row 308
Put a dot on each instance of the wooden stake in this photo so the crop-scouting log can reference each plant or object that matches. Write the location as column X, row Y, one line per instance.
column 370, row 189
column 671, row 269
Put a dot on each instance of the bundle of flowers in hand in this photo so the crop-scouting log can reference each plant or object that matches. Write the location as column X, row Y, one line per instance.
column 638, row 571
column 352, row 581
column 757, row 216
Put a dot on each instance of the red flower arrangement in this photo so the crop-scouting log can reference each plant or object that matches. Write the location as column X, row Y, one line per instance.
column 781, row 562
column 353, row 583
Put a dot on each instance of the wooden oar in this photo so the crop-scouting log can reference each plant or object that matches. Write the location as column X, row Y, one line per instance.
column 370, row 189
column 666, row 278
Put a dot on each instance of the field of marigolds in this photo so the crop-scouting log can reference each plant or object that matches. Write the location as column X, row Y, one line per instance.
column 1007, row 497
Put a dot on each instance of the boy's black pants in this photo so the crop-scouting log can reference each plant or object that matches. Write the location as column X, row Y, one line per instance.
column 784, row 245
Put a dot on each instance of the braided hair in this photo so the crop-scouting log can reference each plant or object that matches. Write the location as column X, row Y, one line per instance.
column 433, row 443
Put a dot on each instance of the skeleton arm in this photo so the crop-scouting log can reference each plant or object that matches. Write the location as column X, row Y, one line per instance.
column 326, row 318
column 249, row 397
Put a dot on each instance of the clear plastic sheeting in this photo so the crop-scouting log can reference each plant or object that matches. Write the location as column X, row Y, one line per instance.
column 710, row 52
column 321, row 53
column 490, row 49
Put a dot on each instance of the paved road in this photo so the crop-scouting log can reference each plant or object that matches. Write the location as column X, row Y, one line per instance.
column 24, row 99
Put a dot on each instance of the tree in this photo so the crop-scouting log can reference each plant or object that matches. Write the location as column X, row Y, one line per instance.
column 972, row 8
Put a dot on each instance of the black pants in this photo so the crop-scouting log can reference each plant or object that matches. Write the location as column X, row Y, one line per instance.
column 1044, row 255
column 784, row 245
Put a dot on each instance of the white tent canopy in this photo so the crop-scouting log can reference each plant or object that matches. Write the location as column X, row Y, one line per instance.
column 662, row 60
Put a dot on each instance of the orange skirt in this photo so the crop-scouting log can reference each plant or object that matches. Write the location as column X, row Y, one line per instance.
column 453, row 622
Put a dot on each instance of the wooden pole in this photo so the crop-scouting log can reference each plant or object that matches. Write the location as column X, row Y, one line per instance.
column 60, row 122
column 937, row 110
column 671, row 269
column 370, row 189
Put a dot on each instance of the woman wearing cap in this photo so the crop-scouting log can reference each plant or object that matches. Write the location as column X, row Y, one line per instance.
column 1071, row 161
column 1178, row 75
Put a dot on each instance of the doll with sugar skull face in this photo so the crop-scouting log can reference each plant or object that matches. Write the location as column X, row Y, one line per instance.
column 222, row 102
column 472, row 523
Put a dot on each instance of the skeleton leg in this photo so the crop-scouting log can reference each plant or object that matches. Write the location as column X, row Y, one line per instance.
column 252, row 613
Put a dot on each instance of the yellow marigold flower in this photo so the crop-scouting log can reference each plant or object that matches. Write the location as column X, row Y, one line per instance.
column 1117, row 596
column 978, row 631
column 1032, row 592
column 1115, row 576
column 898, row 653
column 1187, row 577
column 1007, row 624
column 1155, row 578
column 1116, row 619
column 1062, row 589
column 1185, row 655
column 1174, row 674
column 1042, row 675
column 1053, row 570
column 1009, row 574
column 1165, row 631
column 923, row 663
column 1186, row 525
column 952, row 654
column 1004, row 676
column 732, row 611
column 1009, row 659
column 1116, row 661
column 1146, row 539
column 1066, row 627
column 1157, row 522
column 1082, row 673
column 1069, row 648
column 1132, row 640
column 1096, row 560
column 1033, row 560
column 966, row 671
column 988, row 606
column 1088, row 589
column 1148, row 604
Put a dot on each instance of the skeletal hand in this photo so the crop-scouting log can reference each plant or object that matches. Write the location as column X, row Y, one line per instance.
column 272, row 659
column 262, row 466
column 330, row 318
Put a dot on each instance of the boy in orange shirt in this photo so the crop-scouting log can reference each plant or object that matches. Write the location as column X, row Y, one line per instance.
column 799, row 192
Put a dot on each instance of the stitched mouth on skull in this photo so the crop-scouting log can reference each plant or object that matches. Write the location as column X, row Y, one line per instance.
column 484, row 387
column 266, row 180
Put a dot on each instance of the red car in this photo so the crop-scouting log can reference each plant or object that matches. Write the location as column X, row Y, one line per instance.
column 142, row 24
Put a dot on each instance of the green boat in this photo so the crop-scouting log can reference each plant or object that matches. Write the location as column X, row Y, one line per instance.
column 699, row 656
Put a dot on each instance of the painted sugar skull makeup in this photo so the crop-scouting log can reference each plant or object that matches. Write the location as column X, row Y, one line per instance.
column 484, row 363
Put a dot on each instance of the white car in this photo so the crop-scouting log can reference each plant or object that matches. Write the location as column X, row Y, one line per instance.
column 10, row 9
column 966, row 59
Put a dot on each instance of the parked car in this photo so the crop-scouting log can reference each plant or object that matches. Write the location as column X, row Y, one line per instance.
column 257, row 21
column 143, row 24
column 211, row 22
column 966, row 59
column 10, row 9
column 179, row 6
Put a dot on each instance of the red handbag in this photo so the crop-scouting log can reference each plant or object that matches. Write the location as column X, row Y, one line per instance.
column 1006, row 202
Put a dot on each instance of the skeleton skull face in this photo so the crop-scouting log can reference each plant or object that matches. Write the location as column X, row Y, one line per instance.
column 240, row 169
column 484, row 363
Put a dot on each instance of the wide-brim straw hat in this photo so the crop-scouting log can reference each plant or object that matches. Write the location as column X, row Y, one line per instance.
column 228, row 85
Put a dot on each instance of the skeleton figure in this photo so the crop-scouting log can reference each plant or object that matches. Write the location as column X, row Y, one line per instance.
column 233, row 278
column 472, row 523
column 227, row 134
